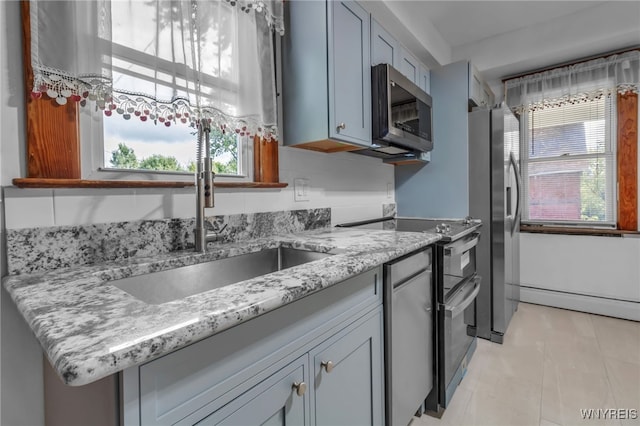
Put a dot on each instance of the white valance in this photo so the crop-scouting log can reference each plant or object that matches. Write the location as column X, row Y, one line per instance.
column 575, row 83
column 167, row 61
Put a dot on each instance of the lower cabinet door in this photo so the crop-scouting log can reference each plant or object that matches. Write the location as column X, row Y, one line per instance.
column 348, row 376
column 282, row 399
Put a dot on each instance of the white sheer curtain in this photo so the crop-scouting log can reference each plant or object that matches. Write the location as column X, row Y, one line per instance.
column 161, row 60
column 575, row 83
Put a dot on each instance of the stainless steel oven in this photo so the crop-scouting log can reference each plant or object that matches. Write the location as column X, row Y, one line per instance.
column 456, row 286
column 456, row 306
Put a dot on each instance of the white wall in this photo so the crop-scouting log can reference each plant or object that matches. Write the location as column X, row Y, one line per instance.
column 355, row 187
column 593, row 274
column 21, row 393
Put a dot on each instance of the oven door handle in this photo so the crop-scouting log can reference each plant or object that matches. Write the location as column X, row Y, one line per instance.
column 464, row 245
column 454, row 311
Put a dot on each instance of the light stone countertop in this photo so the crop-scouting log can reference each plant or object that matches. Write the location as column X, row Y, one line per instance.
column 90, row 329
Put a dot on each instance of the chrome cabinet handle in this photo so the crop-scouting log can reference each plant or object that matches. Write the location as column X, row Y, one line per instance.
column 327, row 365
column 454, row 311
column 342, row 126
column 300, row 388
column 462, row 246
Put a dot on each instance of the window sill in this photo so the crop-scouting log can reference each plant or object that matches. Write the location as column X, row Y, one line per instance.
column 84, row 183
column 565, row 230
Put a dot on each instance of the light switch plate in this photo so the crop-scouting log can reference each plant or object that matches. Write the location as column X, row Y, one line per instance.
column 301, row 189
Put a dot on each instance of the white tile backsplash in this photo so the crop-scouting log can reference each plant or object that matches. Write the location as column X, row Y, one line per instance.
column 183, row 203
column 86, row 206
column 28, row 208
column 353, row 213
column 355, row 186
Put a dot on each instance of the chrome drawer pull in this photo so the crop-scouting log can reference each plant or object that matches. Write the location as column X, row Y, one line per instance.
column 459, row 248
column 327, row 365
column 300, row 388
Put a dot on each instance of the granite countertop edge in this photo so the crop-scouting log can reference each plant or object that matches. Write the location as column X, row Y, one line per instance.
column 90, row 329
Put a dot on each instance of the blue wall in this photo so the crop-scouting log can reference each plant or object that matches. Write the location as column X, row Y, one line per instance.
column 441, row 188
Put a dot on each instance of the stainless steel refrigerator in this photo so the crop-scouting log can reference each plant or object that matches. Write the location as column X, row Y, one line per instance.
column 495, row 198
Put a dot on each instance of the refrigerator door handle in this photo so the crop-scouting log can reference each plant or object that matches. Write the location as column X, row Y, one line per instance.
column 516, row 216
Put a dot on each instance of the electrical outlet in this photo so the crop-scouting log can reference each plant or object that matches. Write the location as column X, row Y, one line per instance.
column 301, row 189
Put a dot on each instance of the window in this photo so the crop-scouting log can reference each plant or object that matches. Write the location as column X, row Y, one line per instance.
column 579, row 147
column 167, row 144
column 568, row 163
column 158, row 65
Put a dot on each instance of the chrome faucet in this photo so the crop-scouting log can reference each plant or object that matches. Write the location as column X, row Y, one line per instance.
column 204, row 188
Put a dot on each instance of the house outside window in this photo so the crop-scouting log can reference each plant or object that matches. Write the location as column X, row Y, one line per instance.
column 569, row 163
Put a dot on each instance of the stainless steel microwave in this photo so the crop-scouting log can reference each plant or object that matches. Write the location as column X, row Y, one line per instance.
column 401, row 112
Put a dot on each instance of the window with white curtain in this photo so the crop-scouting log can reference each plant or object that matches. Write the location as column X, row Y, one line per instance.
column 568, row 126
column 568, row 163
column 139, row 65
column 152, row 70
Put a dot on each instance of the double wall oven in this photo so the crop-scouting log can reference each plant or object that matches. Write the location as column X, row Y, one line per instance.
column 456, row 286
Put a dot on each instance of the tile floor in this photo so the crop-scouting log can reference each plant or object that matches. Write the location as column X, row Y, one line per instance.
column 552, row 364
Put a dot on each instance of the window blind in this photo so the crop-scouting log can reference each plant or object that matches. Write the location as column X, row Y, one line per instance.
column 569, row 163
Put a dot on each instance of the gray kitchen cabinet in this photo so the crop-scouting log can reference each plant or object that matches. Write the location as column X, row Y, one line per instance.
column 385, row 49
column 479, row 92
column 247, row 374
column 326, row 69
column 347, row 373
column 409, row 66
column 425, row 79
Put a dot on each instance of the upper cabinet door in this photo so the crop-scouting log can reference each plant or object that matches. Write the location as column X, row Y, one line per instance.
column 384, row 48
column 479, row 91
column 425, row 79
column 409, row 66
column 349, row 73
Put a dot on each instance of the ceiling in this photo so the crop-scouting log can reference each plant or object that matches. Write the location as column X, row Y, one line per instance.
column 462, row 22
column 508, row 37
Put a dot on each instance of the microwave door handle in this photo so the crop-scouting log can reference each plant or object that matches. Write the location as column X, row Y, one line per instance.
column 455, row 249
column 454, row 311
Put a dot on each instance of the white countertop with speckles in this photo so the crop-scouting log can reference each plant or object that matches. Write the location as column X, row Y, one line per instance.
column 90, row 328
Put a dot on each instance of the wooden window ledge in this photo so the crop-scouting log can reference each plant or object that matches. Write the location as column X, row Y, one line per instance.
column 570, row 230
column 83, row 183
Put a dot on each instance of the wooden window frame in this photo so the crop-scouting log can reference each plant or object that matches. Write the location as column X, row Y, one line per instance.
column 627, row 147
column 53, row 143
